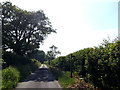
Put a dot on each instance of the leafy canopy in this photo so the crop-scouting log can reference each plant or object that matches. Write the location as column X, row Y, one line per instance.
column 22, row 30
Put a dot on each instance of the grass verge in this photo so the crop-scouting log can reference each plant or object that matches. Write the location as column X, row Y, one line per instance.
column 62, row 77
column 67, row 82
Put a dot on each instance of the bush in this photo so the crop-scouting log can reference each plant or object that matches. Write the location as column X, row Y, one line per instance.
column 10, row 77
column 13, row 59
column 27, row 69
column 98, row 65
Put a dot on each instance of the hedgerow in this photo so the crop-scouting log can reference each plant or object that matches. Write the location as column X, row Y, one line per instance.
column 97, row 65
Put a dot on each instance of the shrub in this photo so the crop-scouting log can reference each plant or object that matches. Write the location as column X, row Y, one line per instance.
column 10, row 77
column 98, row 65
column 13, row 59
column 36, row 62
column 27, row 69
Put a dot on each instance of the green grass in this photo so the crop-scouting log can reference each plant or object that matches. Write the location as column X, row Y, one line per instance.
column 62, row 77
column 65, row 80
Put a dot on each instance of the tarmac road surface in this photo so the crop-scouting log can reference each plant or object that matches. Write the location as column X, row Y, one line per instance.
column 41, row 78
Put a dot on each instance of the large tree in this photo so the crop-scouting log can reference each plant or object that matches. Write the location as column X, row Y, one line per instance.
column 22, row 30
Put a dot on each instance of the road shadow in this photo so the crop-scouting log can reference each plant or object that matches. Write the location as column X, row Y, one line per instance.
column 41, row 74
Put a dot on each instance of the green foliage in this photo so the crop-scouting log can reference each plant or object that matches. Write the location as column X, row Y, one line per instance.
column 98, row 65
column 13, row 59
column 46, row 62
column 39, row 55
column 10, row 77
column 36, row 62
column 52, row 53
column 27, row 69
column 22, row 30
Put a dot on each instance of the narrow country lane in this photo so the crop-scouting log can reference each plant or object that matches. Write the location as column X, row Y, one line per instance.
column 41, row 78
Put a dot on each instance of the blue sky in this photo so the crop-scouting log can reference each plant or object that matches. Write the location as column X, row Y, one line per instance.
column 79, row 23
column 102, row 15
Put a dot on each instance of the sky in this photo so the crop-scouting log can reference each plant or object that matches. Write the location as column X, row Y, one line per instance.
column 79, row 23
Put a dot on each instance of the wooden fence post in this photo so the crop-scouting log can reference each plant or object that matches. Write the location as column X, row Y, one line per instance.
column 71, row 65
column 59, row 63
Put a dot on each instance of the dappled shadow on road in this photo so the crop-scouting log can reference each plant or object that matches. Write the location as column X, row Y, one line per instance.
column 42, row 74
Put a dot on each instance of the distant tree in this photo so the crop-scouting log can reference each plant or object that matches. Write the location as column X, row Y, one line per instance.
column 23, row 31
column 38, row 55
column 52, row 53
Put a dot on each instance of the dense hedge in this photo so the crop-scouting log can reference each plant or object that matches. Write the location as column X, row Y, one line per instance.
column 12, row 75
column 98, row 65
